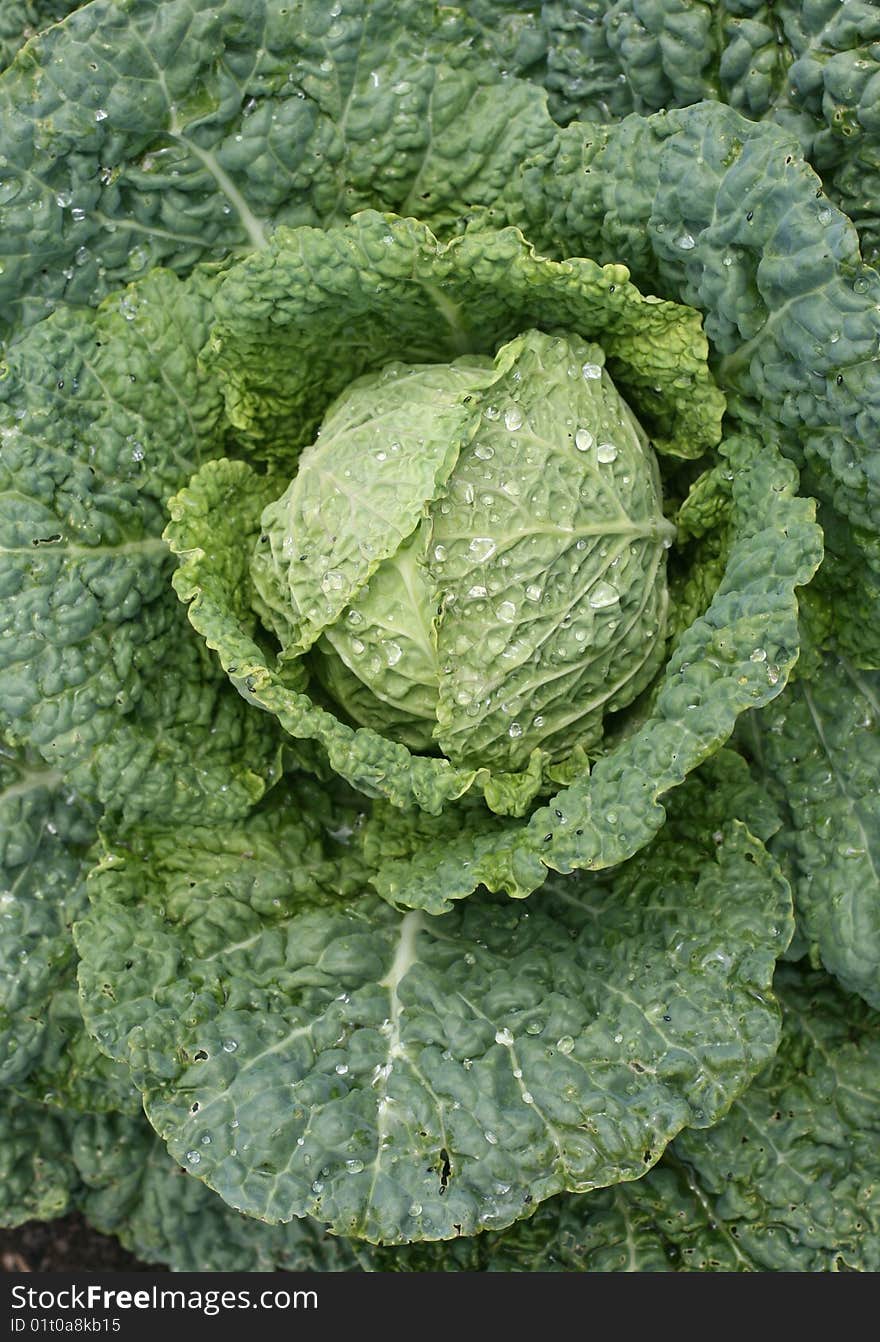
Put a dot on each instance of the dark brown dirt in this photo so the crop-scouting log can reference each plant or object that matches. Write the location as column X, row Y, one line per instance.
column 66, row 1245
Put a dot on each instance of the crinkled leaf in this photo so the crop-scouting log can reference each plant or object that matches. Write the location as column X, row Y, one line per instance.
column 45, row 1053
column 166, row 132
column 724, row 215
column 131, row 1188
column 36, row 1172
column 102, row 416
column 788, row 1181
column 811, row 68
column 299, row 320
column 402, row 1077
column 818, row 744
column 20, row 19
column 718, row 1200
column 342, row 513
column 793, row 1169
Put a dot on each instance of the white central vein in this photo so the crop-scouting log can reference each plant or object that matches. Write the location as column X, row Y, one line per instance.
column 405, row 957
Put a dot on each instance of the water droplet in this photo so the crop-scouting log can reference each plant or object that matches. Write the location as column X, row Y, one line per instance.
column 492, row 412
column 759, row 655
column 415, row 1209
column 825, row 215
column 193, row 1157
column 332, row 581
column 603, row 595
column 354, row 1166
column 101, row 114
column 583, row 440
column 504, row 1037
column 606, row 453
column 685, row 242
column 357, row 646
column 341, row 1068
column 860, row 286
column 528, row 1097
column 482, row 548
column 534, row 1027
column 440, row 553
column 534, row 592
column 514, row 730
column 64, row 198
column 491, row 1138
column 393, row 653
column 565, row 1044
column 230, row 1045
column 506, row 611
column 591, row 371
column 513, row 418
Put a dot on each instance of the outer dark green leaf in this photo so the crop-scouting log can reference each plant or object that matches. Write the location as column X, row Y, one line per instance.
column 165, row 132
column 820, row 748
column 36, row 1173
column 792, row 1173
column 724, row 215
column 131, row 1188
column 45, row 1053
column 20, row 19
column 788, row 1181
column 812, row 68
column 115, row 1170
column 845, row 597
column 102, row 416
column 305, row 1049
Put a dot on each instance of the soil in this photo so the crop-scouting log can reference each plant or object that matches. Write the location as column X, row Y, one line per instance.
column 66, row 1245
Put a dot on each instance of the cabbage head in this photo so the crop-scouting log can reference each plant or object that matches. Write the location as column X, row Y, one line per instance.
column 479, row 501
column 477, row 553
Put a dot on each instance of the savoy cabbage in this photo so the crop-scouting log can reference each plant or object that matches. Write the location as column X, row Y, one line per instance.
column 440, row 632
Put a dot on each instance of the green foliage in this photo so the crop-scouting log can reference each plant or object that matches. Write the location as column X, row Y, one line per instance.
column 331, row 630
column 305, row 1049
column 818, row 748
